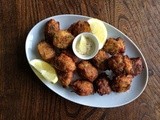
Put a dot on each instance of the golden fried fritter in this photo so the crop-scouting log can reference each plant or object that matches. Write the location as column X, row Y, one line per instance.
column 62, row 39
column 64, row 63
column 65, row 78
column 71, row 54
column 83, row 87
column 100, row 60
column 120, row 64
column 121, row 83
column 51, row 27
column 114, row 46
column 46, row 51
column 137, row 65
column 128, row 69
column 102, row 85
column 116, row 64
column 87, row 70
column 79, row 27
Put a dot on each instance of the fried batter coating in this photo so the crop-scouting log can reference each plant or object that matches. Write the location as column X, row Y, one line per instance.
column 102, row 84
column 114, row 46
column 116, row 64
column 121, row 83
column 62, row 39
column 128, row 69
column 83, row 87
column 51, row 27
column 87, row 70
column 79, row 27
column 120, row 64
column 137, row 65
column 46, row 51
column 64, row 63
column 65, row 78
column 71, row 54
column 100, row 60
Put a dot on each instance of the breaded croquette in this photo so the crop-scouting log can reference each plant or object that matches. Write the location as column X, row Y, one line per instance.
column 65, row 78
column 116, row 64
column 62, row 39
column 137, row 65
column 128, row 68
column 46, row 51
column 64, row 63
column 102, row 85
column 99, row 60
column 120, row 64
column 51, row 27
column 114, row 46
column 79, row 27
column 71, row 54
column 121, row 83
column 83, row 87
column 87, row 70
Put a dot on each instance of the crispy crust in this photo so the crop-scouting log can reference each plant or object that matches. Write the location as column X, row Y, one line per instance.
column 99, row 61
column 83, row 87
column 51, row 27
column 79, row 27
column 62, row 39
column 46, row 51
column 87, row 70
column 64, row 63
column 65, row 78
column 102, row 84
column 121, row 83
column 114, row 46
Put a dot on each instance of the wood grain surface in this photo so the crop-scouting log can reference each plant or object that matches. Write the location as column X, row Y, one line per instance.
column 24, row 96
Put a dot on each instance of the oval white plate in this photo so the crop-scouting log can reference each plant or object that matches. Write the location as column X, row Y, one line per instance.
column 106, row 101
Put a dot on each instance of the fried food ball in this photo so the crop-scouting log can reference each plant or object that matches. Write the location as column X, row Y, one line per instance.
column 71, row 54
column 51, row 27
column 114, row 46
column 62, row 39
column 87, row 70
column 128, row 69
column 120, row 64
column 102, row 85
column 79, row 27
column 64, row 63
column 83, row 87
column 121, row 83
column 100, row 60
column 65, row 78
column 137, row 65
column 116, row 64
column 45, row 50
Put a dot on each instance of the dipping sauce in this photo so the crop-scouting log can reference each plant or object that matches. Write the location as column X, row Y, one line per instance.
column 85, row 46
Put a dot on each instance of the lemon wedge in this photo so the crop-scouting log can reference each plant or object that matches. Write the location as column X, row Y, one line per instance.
column 98, row 28
column 45, row 69
column 82, row 45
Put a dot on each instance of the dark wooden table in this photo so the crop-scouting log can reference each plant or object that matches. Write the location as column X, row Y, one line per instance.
column 24, row 96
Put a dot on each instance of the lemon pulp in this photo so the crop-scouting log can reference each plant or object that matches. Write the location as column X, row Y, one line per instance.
column 45, row 69
column 98, row 28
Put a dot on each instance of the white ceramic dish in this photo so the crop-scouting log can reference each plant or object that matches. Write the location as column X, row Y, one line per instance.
column 106, row 101
column 95, row 50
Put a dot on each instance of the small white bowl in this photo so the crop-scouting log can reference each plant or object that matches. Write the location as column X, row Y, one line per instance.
column 95, row 49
